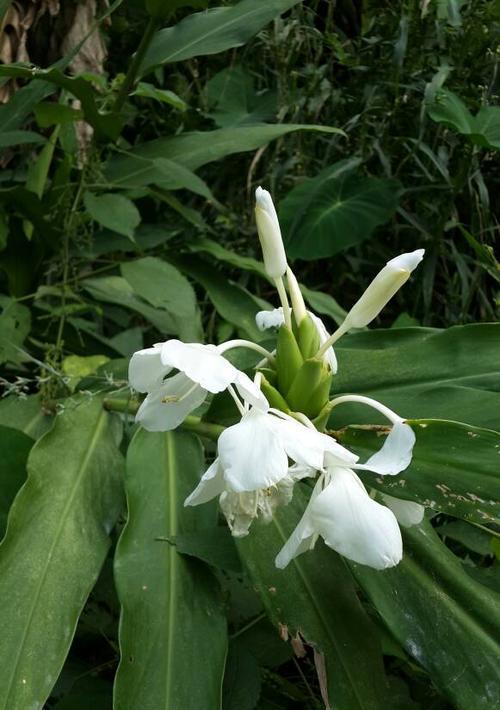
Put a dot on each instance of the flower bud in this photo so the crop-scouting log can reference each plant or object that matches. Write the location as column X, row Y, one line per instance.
column 269, row 231
column 383, row 287
column 298, row 306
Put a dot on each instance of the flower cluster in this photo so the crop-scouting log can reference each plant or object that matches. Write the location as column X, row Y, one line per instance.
column 279, row 438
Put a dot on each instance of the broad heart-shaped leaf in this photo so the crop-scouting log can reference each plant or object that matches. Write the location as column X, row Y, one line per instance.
column 487, row 126
column 455, row 468
column 56, row 541
column 335, row 210
column 212, row 31
column 199, row 148
column 315, row 596
column 447, row 622
column 15, row 447
column 449, row 109
column 115, row 212
column 163, row 286
column 233, row 101
column 421, row 373
column 173, row 635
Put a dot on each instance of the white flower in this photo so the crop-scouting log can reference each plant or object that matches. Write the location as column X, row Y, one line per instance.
column 383, row 287
column 269, row 231
column 407, row 512
column 202, row 369
column 274, row 319
column 342, row 512
column 252, row 470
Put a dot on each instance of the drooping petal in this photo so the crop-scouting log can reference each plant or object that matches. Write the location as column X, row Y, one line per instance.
column 355, row 525
column 407, row 512
column 304, row 536
column 201, row 363
column 240, row 510
column 210, row 485
column 270, row 319
column 146, row 370
column 252, row 454
column 329, row 356
column 168, row 405
column 395, row 454
column 250, row 392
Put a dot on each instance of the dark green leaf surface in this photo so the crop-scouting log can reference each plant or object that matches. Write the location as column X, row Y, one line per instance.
column 213, row 31
column 422, row 373
column 12, row 138
column 455, row 468
column 15, row 447
column 447, row 622
column 315, row 596
column 25, row 414
column 173, row 636
column 57, row 539
column 199, row 148
column 115, row 212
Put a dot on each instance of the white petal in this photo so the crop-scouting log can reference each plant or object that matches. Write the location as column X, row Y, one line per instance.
column 211, row 485
column 354, row 525
column 251, row 454
column 308, row 446
column 201, row 363
column 269, row 231
column 156, row 414
column 240, row 510
column 270, row 319
column 395, row 454
column 407, row 512
column 329, row 356
column 303, row 537
column 250, row 392
column 146, row 370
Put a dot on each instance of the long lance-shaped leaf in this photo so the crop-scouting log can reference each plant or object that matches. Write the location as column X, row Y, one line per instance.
column 213, row 31
column 56, row 542
column 173, row 636
column 455, row 468
column 315, row 597
column 446, row 621
column 422, row 373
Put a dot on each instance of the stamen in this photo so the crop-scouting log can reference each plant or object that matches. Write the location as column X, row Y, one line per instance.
column 230, row 344
column 391, row 416
column 233, row 394
column 175, row 398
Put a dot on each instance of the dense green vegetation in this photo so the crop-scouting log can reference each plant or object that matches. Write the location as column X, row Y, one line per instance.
column 126, row 218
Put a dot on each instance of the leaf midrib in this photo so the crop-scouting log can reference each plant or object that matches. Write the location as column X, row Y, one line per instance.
column 62, row 522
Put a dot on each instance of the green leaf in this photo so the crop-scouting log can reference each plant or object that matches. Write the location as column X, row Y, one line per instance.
column 114, row 289
column 173, row 635
column 163, row 286
column 212, row 545
column 487, row 126
column 25, row 414
column 56, row 542
column 15, row 324
column 114, row 212
column 11, row 138
column 447, row 622
column 161, row 9
column 136, row 171
column 422, row 373
column 232, row 302
column 148, row 91
column 15, row 447
column 315, row 596
column 242, row 681
column 449, row 109
column 455, row 468
column 473, row 538
column 199, row 148
column 212, row 31
column 234, row 102
column 334, row 211
column 48, row 113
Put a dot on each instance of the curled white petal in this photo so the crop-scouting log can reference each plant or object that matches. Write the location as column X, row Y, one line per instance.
column 170, row 403
column 395, row 454
column 407, row 512
column 355, row 525
column 146, row 370
column 210, row 485
column 201, row 363
column 270, row 319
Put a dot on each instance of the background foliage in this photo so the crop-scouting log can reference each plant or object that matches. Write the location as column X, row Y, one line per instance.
column 131, row 143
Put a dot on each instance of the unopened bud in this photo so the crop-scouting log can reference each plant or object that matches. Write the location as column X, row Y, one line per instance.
column 383, row 287
column 298, row 306
column 269, row 231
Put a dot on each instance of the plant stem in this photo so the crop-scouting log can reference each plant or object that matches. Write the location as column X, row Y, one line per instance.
column 135, row 65
column 190, row 423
